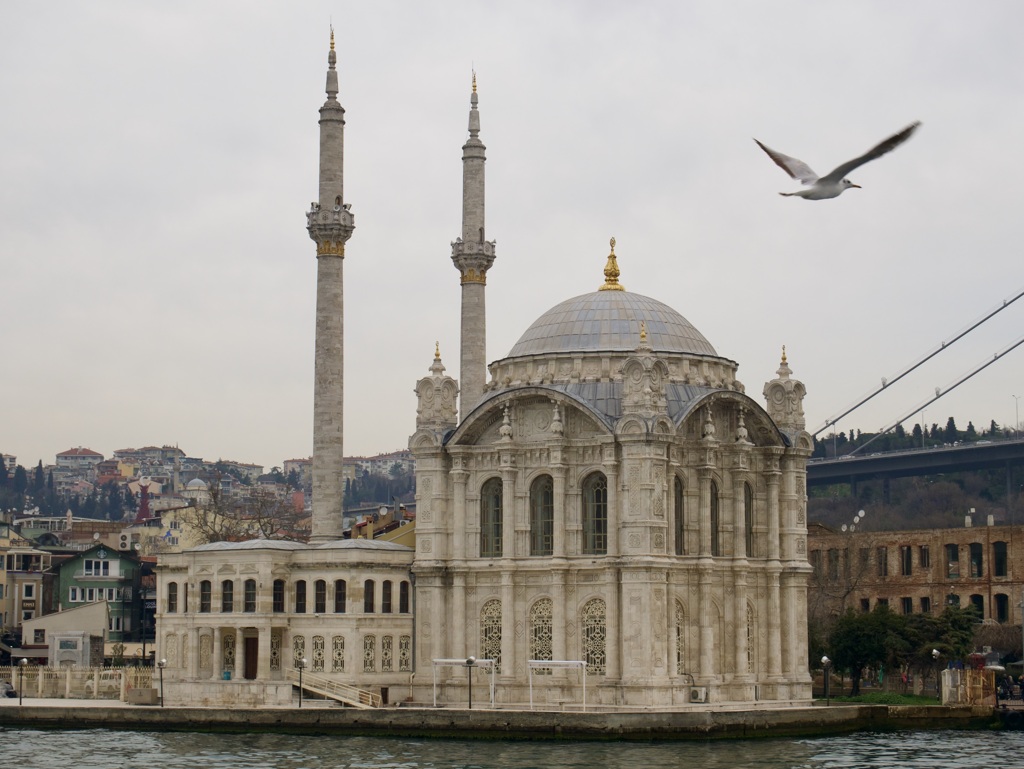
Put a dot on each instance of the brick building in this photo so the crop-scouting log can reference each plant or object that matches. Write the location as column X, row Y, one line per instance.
column 918, row 571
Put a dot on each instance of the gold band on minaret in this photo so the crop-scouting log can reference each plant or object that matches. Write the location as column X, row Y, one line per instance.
column 611, row 272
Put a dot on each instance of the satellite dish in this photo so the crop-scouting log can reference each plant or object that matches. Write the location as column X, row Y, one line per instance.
column 137, row 547
column 845, row 527
column 95, row 536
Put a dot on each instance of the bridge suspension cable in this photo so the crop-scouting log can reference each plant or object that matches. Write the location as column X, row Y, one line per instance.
column 928, row 356
column 939, row 392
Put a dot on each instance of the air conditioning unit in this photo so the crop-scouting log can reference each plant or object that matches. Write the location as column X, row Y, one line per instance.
column 124, row 545
column 698, row 694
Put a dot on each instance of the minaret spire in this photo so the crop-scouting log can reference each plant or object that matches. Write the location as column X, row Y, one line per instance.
column 330, row 225
column 473, row 255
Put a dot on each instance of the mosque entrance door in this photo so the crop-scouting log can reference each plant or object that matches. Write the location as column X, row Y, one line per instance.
column 252, row 647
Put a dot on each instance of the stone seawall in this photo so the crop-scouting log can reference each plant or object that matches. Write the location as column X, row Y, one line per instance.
column 502, row 724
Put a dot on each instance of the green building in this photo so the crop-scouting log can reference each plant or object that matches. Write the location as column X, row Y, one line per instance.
column 101, row 574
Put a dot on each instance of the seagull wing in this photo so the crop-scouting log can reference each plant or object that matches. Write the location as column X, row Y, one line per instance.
column 877, row 151
column 798, row 169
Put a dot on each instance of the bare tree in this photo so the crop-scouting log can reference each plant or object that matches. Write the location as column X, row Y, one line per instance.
column 259, row 513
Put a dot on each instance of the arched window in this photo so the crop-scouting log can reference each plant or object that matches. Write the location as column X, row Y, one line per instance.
column 490, row 519
column 542, row 516
column 385, row 597
column 403, row 597
column 278, row 596
column 541, row 620
column 249, row 597
column 205, row 596
column 1002, row 607
column 300, row 596
column 977, row 565
column 490, row 632
column 678, row 517
column 339, row 596
column 594, row 634
column 595, row 514
column 368, row 588
column 715, row 547
column 320, row 596
column 680, row 640
column 227, row 596
column 999, row 559
column 748, row 519
column 172, row 597
column 978, row 602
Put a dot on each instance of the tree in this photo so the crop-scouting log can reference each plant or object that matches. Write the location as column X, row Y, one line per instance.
column 20, row 480
column 260, row 514
column 858, row 641
column 951, row 435
column 970, row 434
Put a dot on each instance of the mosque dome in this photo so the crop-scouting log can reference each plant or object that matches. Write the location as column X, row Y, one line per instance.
column 196, row 484
column 610, row 321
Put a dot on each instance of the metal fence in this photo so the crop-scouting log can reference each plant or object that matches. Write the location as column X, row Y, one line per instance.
column 108, row 683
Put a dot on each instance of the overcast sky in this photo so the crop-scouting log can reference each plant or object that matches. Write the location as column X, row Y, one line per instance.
column 157, row 159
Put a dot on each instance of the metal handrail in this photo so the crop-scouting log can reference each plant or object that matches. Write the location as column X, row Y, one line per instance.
column 350, row 695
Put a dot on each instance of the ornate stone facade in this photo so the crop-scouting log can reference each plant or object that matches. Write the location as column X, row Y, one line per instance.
column 616, row 498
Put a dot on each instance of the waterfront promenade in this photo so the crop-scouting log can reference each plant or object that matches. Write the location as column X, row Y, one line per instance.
column 505, row 723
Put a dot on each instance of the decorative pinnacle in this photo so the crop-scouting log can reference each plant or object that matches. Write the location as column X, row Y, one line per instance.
column 474, row 81
column 437, row 351
column 783, row 353
column 332, row 37
column 611, row 272
column 643, row 331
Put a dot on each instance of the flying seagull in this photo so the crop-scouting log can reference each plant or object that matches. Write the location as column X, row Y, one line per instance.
column 834, row 183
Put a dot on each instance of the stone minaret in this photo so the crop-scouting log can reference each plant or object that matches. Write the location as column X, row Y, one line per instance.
column 473, row 255
column 330, row 225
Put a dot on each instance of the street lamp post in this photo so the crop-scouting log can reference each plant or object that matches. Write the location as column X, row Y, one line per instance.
column 825, row 663
column 162, row 664
column 936, row 654
column 470, row 663
column 301, row 665
column 21, row 679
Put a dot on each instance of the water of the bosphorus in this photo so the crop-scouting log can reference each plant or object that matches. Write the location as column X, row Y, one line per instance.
column 104, row 749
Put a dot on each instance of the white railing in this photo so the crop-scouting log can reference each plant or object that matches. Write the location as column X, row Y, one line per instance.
column 350, row 695
column 76, row 683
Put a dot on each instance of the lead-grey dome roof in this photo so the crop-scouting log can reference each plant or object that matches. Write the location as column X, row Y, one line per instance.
column 610, row 321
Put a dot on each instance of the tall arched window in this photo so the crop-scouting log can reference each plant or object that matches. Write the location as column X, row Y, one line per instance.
column 385, row 597
column 679, row 520
column 490, row 632
column 490, row 519
column 594, row 634
column 300, row 597
column 680, row 639
column 748, row 519
column 205, row 596
column 227, row 596
column 339, row 596
column 278, row 597
column 249, row 596
column 541, row 632
column 172, row 597
column 403, row 597
column 715, row 548
column 320, row 596
column 368, row 588
column 595, row 514
column 542, row 516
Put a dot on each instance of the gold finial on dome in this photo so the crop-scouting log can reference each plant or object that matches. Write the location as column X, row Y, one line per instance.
column 611, row 272
column 332, row 37
column 783, row 353
column 474, row 81
column 643, row 331
column 437, row 351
